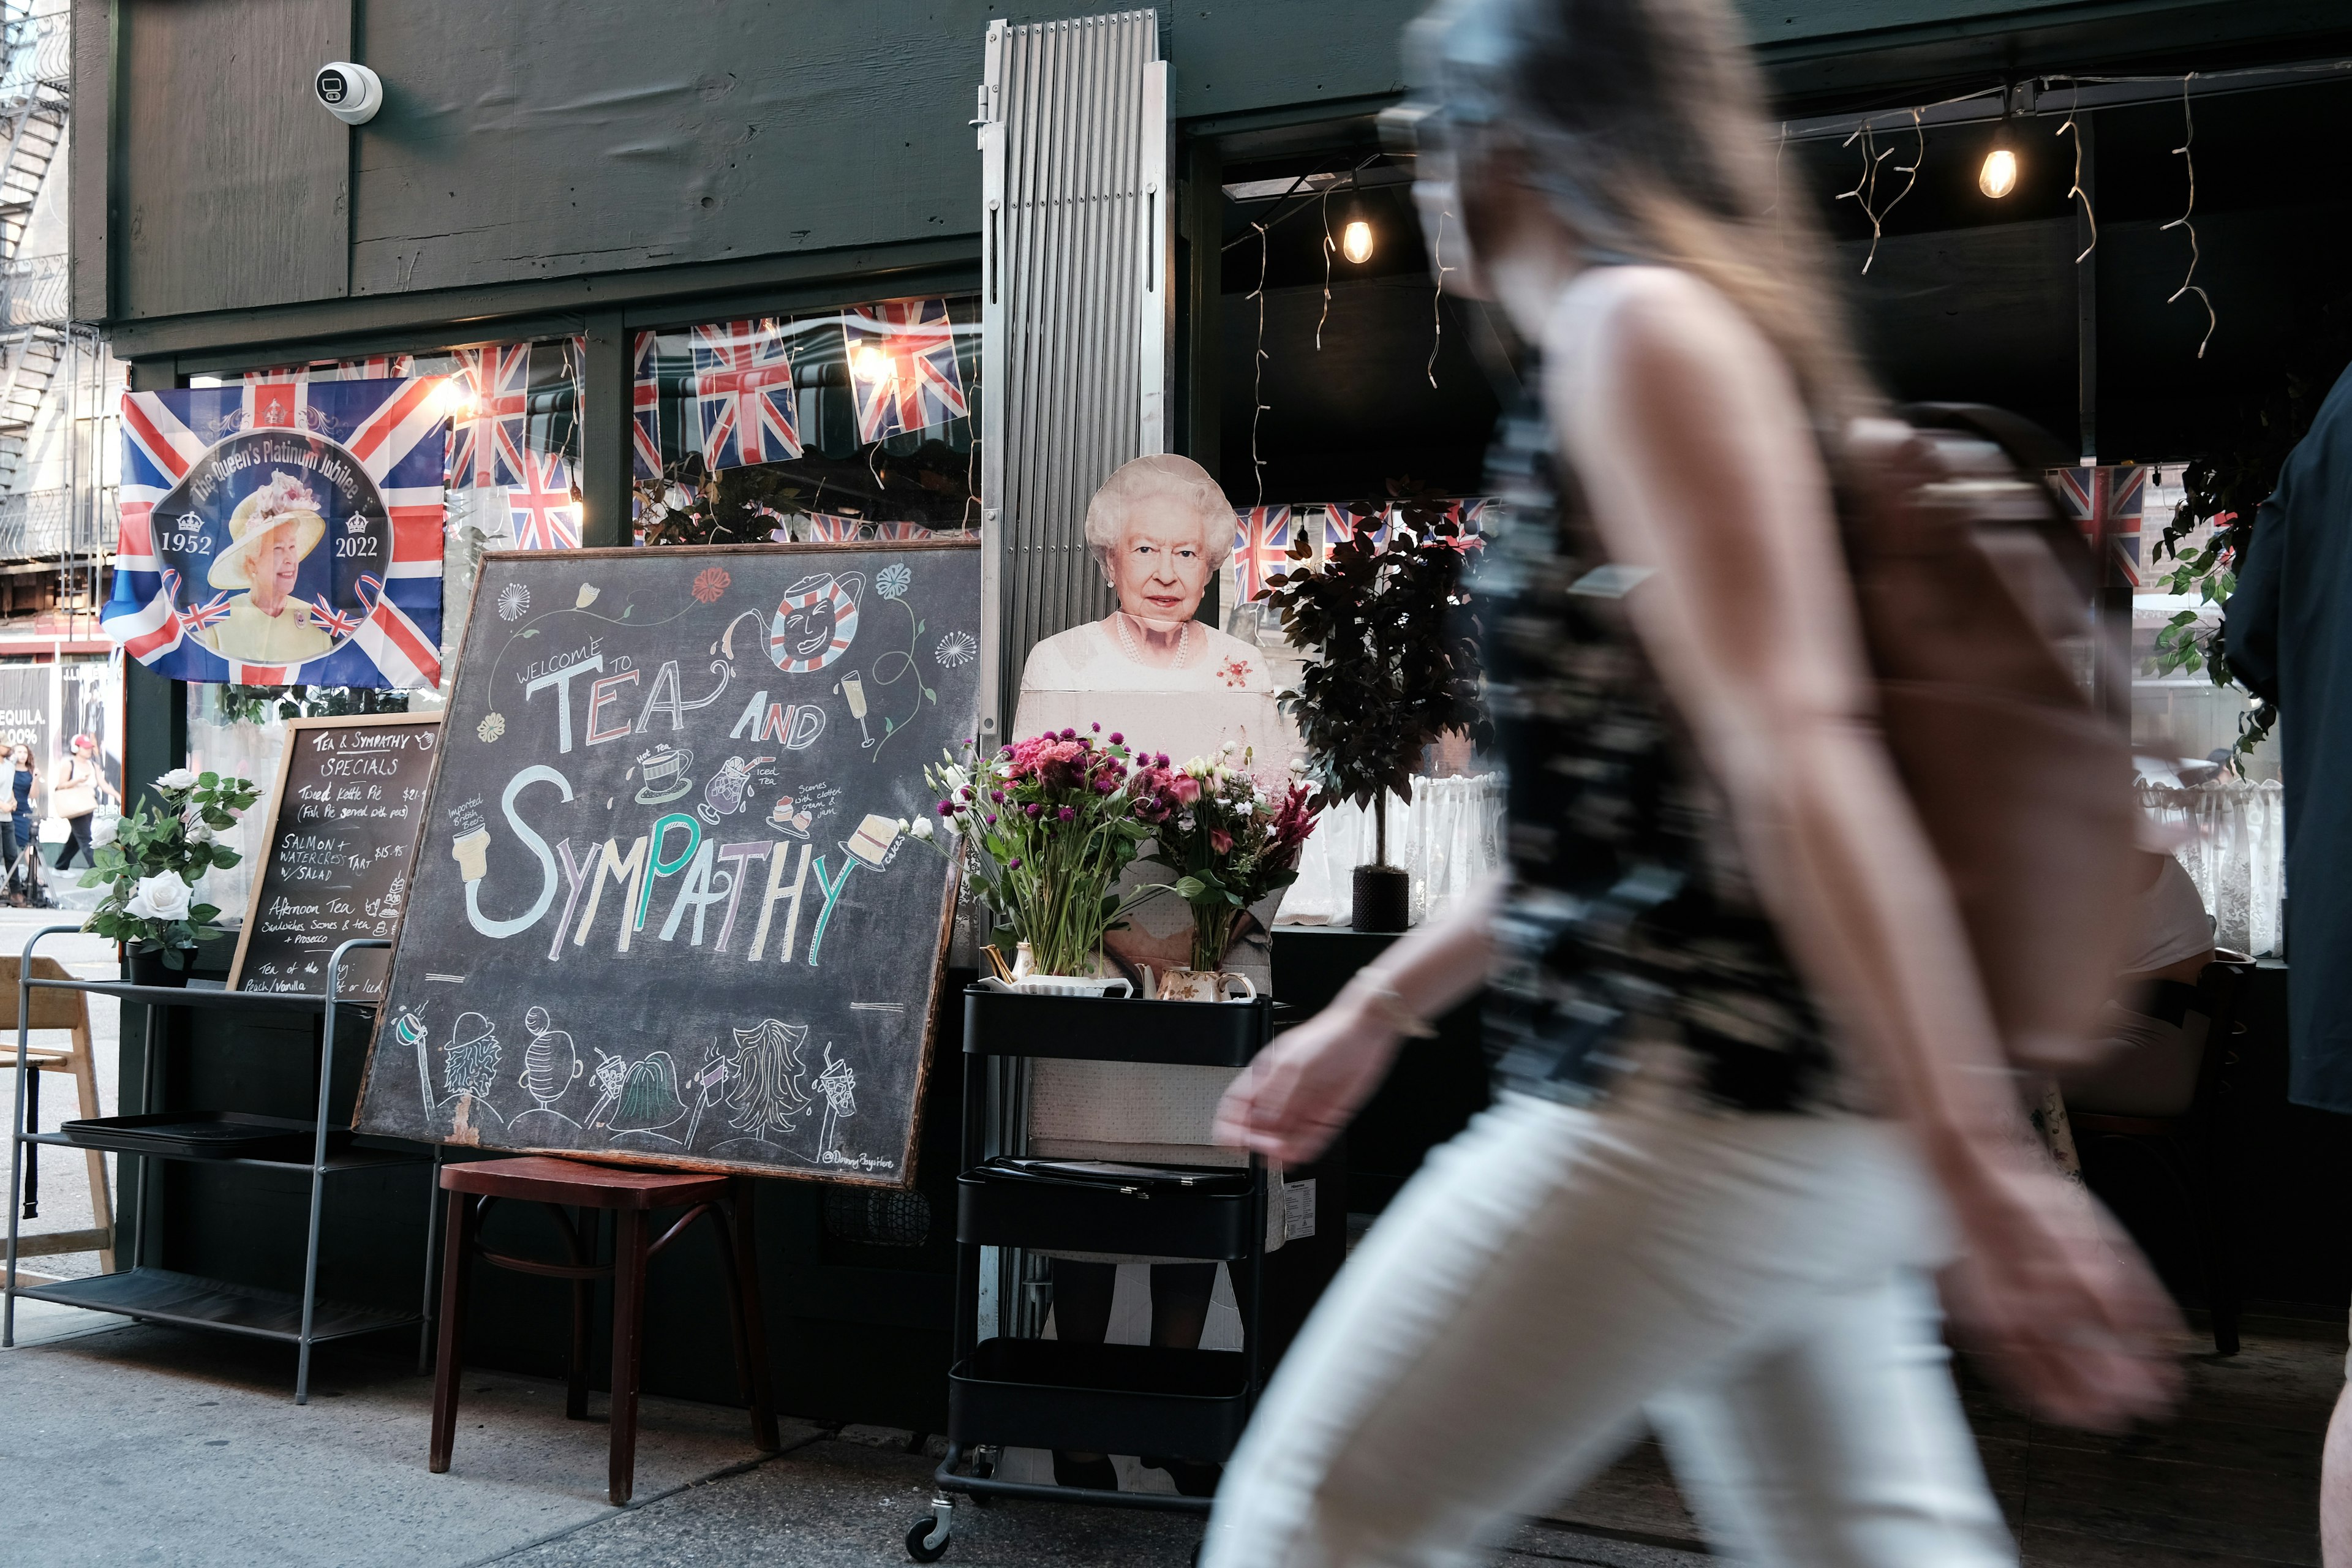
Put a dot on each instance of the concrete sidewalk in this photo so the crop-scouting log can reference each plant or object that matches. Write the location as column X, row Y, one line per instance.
column 148, row 1446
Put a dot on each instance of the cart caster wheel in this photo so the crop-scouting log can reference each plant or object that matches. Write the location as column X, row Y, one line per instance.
column 918, row 1537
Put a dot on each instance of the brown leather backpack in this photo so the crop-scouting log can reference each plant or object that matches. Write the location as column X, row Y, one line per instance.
column 1974, row 589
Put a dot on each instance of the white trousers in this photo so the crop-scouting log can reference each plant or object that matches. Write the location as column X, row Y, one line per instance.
column 1755, row 1285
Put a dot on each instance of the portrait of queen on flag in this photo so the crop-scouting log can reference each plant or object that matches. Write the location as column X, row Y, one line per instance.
column 275, row 534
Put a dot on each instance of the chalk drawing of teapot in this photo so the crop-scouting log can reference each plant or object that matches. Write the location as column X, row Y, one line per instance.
column 815, row 621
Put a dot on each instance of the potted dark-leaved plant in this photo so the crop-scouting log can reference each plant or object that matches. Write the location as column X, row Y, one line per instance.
column 151, row 869
column 1394, row 665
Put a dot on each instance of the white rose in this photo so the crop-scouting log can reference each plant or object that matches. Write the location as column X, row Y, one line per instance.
column 921, row 828
column 162, row 896
column 178, row 778
column 200, row 834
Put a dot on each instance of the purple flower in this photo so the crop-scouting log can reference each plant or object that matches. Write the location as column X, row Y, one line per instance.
column 1106, row 785
column 947, row 808
column 1098, row 729
column 1070, row 734
column 1068, row 813
column 1160, row 761
column 991, row 820
column 997, row 795
column 1034, row 809
column 1116, row 739
column 1014, row 864
column 966, row 792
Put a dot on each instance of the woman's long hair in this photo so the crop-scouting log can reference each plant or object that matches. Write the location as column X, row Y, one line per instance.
column 1640, row 123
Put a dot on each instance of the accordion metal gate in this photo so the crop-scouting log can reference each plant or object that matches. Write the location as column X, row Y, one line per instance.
column 1076, row 311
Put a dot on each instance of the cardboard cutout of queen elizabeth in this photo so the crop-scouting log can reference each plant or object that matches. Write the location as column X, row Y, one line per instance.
column 1159, row 528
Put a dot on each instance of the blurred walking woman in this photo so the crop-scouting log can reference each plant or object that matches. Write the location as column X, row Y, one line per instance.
column 1695, row 1200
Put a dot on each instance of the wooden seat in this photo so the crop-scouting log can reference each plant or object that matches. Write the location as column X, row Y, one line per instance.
column 632, row 1194
column 65, row 1011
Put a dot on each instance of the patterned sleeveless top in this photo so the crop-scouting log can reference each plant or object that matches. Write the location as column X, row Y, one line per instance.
column 1630, row 909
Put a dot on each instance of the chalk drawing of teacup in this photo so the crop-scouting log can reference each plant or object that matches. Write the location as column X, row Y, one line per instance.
column 663, row 769
column 815, row 622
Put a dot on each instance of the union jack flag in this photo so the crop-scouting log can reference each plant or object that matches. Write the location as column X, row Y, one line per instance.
column 901, row 531
column 2109, row 501
column 336, row 623
column 390, row 430
column 544, row 515
column 1261, row 547
column 646, row 412
column 373, row 369
column 487, row 443
column 824, row 528
column 744, row 395
column 196, row 617
column 1343, row 521
column 902, row 367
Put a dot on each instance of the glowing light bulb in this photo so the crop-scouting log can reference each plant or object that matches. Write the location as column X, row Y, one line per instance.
column 1998, row 175
column 869, row 364
column 1356, row 241
column 453, row 401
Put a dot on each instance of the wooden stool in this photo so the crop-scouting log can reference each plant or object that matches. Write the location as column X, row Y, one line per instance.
column 632, row 1194
column 67, row 1012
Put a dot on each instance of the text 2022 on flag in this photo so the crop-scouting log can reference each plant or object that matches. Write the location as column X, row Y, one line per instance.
column 284, row 533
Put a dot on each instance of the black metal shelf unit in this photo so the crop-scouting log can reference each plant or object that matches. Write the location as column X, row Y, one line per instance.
column 1007, row 1392
column 166, row 1296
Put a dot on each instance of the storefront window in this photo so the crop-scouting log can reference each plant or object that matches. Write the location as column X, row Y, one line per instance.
column 2229, row 825
column 511, row 477
column 854, row 423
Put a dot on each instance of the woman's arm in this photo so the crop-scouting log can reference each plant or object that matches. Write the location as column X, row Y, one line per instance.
column 1294, row 1098
column 1688, row 435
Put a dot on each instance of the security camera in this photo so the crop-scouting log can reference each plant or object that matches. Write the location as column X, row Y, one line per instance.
column 351, row 93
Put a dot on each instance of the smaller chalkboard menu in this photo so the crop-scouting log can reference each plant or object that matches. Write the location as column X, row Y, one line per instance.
column 335, row 861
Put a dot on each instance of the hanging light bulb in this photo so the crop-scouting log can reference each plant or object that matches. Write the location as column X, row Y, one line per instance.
column 1356, row 241
column 452, row 400
column 869, row 364
column 1998, row 175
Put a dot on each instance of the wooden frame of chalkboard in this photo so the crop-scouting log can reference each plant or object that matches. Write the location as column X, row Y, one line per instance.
column 678, row 1081
column 263, row 858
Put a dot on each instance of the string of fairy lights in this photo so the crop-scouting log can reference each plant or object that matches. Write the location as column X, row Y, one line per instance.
column 1874, row 192
column 1998, row 174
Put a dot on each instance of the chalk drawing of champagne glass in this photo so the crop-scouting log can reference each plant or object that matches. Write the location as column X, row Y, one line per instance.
column 853, row 688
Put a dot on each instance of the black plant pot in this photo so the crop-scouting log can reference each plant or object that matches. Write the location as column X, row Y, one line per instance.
column 1383, row 899
column 148, row 969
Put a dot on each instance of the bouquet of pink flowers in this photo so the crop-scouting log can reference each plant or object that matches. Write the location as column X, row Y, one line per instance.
column 1045, row 828
column 1228, row 839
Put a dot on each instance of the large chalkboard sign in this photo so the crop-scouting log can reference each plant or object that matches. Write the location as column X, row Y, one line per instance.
column 663, row 912
column 337, row 856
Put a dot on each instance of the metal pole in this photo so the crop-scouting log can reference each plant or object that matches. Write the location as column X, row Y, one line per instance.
column 319, row 1165
column 17, row 1127
column 432, row 1250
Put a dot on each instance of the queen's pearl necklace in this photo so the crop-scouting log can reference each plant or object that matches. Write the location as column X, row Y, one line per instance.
column 1127, row 642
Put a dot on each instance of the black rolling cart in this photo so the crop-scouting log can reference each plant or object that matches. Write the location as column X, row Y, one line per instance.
column 1006, row 1392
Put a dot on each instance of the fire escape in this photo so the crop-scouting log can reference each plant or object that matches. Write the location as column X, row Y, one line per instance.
column 50, row 547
